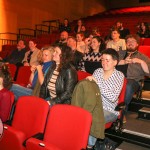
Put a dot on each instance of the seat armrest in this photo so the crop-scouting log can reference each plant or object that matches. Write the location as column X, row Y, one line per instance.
column 8, row 122
column 37, row 136
column 120, row 106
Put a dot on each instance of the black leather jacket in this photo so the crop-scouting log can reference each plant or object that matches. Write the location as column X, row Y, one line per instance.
column 65, row 84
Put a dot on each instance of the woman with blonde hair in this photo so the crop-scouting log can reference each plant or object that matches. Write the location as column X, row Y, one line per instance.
column 37, row 75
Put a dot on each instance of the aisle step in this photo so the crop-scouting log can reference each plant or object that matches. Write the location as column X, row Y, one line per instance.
column 144, row 113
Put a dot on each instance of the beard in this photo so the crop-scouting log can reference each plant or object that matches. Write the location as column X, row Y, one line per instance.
column 132, row 49
column 62, row 39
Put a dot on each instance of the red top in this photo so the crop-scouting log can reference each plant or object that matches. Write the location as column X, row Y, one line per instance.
column 5, row 104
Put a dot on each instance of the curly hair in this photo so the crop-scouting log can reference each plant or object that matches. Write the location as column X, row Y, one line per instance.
column 5, row 74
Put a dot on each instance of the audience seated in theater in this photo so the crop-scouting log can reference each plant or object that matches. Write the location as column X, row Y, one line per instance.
column 110, row 82
column 5, row 98
column 85, row 31
column 80, row 42
column 144, row 31
column 17, row 55
column 31, row 56
column 61, row 78
column 72, row 43
column 37, row 75
column 63, row 38
column 116, row 43
column 94, row 55
column 78, row 26
column 65, row 26
column 123, row 31
column 134, row 65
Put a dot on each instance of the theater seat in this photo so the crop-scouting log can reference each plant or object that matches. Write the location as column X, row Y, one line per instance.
column 82, row 75
column 145, row 50
column 146, row 41
column 12, row 69
column 67, row 129
column 29, row 119
column 23, row 76
column 119, row 108
column 6, row 107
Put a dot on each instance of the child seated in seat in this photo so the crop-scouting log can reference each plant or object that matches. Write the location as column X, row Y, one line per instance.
column 5, row 97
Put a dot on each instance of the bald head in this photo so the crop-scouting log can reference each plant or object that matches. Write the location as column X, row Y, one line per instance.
column 64, row 36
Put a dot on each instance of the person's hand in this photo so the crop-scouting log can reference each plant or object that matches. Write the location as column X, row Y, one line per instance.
column 26, row 64
column 87, row 41
column 1, row 58
column 39, row 67
column 49, row 102
column 91, row 78
column 128, row 60
column 137, row 60
column 33, row 68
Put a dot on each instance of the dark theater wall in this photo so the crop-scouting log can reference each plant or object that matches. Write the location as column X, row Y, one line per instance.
column 26, row 13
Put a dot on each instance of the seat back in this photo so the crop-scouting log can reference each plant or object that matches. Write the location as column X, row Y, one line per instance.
column 23, row 75
column 123, row 92
column 82, row 75
column 12, row 69
column 146, row 41
column 120, row 100
column 30, row 115
column 145, row 50
column 91, row 66
column 12, row 99
column 6, row 106
column 68, row 127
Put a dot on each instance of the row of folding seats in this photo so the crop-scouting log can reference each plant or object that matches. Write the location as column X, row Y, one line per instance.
column 23, row 74
column 68, row 131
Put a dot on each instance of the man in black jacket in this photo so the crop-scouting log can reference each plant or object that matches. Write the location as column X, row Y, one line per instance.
column 17, row 55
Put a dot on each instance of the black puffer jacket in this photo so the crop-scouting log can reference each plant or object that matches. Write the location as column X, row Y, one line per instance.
column 65, row 83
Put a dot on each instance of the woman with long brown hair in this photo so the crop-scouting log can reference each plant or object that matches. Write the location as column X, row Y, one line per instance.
column 61, row 78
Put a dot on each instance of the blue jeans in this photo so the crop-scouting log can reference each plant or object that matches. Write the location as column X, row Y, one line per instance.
column 20, row 91
column 132, row 87
column 109, row 117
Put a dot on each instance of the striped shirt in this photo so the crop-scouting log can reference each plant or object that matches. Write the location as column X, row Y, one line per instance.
column 52, row 83
column 110, row 88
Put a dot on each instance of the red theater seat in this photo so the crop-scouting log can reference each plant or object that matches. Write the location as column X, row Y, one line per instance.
column 6, row 107
column 23, row 75
column 120, row 101
column 29, row 119
column 12, row 69
column 67, row 128
column 82, row 75
column 145, row 50
column 146, row 41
